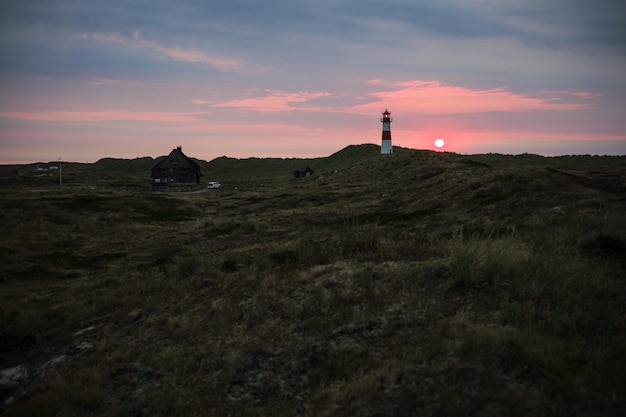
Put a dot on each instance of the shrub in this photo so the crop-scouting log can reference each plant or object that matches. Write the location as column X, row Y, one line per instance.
column 488, row 262
column 187, row 266
column 284, row 256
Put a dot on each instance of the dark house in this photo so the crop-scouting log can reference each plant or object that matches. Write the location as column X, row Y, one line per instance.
column 306, row 172
column 176, row 167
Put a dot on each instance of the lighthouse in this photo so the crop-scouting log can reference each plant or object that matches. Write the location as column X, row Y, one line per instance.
column 386, row 147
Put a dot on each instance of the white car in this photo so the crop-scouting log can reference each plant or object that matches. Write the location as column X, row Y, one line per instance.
column 213, row 184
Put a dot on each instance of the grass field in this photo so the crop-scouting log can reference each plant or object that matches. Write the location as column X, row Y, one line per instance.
column 416, row 283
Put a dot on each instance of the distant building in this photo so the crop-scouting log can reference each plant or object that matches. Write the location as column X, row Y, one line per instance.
column 176, row 167
column 386, row 147
column 306, row 172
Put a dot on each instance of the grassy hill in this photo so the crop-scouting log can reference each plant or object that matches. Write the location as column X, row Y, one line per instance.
column 115, row 166
column 232, row 169
column 416, row 283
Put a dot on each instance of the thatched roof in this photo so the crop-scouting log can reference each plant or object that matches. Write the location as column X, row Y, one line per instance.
column 176, row 159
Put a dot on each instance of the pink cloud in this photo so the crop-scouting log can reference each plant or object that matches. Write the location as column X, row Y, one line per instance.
column 568, row 93
column 431, row 97
column 277, row 101
column 419, row 97
column 102, row 116
column 119, row 81
column 375, row 81
column 201, row 57
column 177, row 53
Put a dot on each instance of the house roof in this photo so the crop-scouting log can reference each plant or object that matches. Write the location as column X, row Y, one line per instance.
column 176, row 159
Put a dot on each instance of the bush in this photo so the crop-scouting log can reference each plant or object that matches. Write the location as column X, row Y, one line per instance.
column 187, row 266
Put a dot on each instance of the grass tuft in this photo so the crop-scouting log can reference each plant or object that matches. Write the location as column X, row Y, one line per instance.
column 188, row 266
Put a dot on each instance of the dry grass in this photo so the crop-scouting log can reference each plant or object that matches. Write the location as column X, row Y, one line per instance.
column 419, row 284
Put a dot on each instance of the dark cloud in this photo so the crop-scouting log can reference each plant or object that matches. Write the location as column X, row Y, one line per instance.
column 39, row 36
column 572, row 24
column 558, row 23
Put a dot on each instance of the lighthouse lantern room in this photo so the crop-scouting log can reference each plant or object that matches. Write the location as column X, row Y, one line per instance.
column 386, row 146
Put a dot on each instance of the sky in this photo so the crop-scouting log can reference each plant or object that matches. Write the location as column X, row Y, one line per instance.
column 82, row 80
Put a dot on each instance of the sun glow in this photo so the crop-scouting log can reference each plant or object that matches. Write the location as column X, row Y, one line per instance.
column 439, row 143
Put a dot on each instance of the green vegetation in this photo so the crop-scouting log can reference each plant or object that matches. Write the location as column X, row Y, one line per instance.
column 416, row 283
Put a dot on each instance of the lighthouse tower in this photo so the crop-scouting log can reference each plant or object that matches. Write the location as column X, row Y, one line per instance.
column 386, row 147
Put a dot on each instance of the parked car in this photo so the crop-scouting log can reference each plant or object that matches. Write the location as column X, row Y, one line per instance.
column 213, row 184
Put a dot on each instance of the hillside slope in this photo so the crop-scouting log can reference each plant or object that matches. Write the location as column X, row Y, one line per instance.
column 227, row 168
column 417, row 283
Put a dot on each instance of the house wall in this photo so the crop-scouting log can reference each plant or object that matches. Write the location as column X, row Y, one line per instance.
column 175, row 175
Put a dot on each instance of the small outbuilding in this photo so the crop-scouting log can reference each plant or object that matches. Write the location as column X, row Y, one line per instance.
column 176, row 167
column 306, row 172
